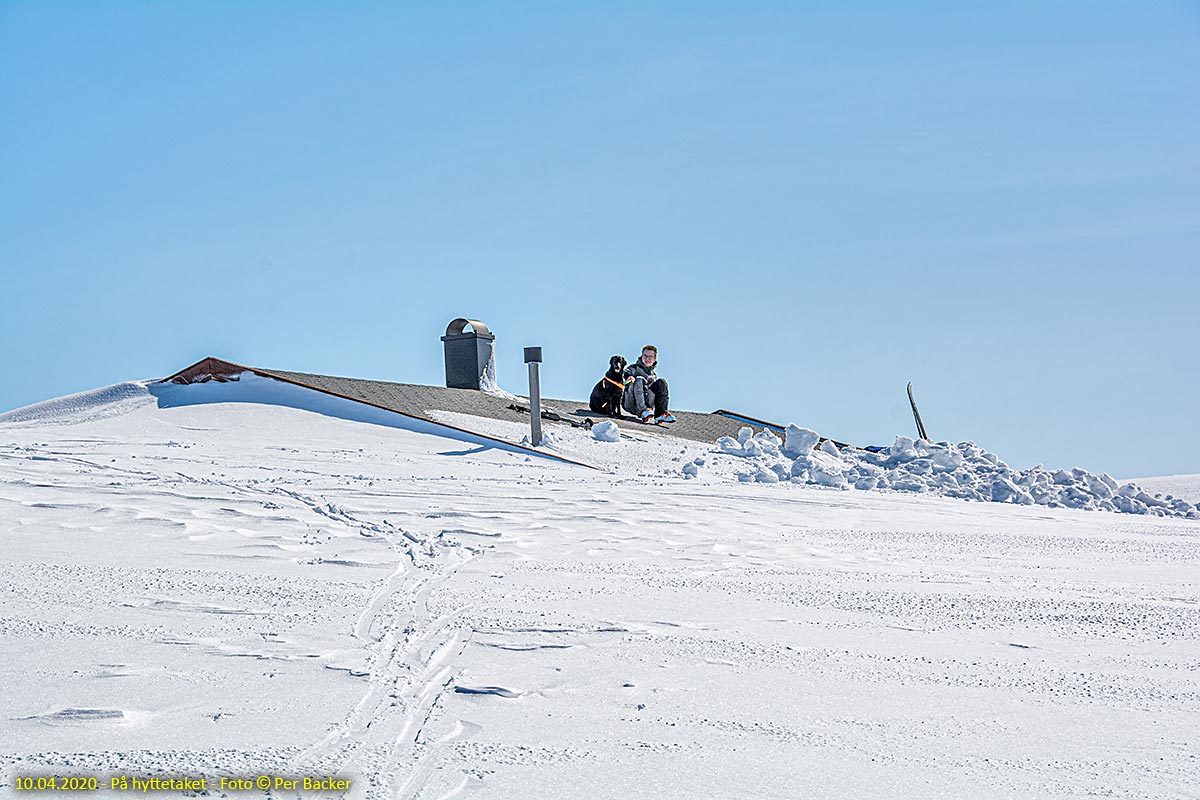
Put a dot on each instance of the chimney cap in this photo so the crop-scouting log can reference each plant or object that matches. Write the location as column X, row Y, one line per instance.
column 458, row 327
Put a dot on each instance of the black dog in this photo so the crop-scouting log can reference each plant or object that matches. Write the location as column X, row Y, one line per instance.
column 607, row 394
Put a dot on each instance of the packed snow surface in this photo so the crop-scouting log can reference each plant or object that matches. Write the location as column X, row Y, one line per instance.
column 239, row 579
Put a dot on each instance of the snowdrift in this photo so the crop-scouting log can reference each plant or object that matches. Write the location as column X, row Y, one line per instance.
column 123, row 398
column 964, row 470
column 72, row 409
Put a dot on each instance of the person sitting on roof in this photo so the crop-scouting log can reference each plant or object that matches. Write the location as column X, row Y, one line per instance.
column 646, row 395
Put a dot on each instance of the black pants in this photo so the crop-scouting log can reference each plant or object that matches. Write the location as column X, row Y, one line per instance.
column 662, row 397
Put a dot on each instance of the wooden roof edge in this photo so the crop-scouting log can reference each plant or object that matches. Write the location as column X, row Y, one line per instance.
column 203, row 366
column 209, row 365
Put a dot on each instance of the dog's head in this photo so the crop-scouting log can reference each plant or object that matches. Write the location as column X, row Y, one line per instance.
column 617, row 364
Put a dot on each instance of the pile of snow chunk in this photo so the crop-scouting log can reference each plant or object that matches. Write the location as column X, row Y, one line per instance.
column 963, row 470
column 606, row 431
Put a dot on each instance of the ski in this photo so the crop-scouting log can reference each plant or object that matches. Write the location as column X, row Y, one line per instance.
column 554, row 416
column 916, row 414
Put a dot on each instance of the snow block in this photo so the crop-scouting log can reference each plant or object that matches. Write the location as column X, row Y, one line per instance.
column 606, row 431
column 800, row 441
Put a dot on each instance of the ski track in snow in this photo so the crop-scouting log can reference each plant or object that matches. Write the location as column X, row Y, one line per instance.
column 239, row 590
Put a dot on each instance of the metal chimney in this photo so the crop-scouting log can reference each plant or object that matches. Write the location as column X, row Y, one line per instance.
column 467, row 352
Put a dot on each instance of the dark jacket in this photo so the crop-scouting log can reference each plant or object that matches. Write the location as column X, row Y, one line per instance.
column 636, row 369
column 638, row 378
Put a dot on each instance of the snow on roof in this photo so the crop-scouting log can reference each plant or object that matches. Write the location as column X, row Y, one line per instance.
column 419, row 400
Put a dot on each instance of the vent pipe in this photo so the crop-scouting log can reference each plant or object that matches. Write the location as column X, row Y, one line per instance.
column 533, row 357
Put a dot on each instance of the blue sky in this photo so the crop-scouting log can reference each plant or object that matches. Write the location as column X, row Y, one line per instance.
column 804, row 206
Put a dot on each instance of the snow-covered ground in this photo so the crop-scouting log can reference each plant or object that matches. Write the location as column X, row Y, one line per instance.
column 227, row 580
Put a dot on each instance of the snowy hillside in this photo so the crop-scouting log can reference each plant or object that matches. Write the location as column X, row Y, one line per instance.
column 224, row 580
